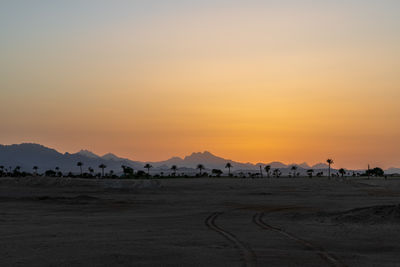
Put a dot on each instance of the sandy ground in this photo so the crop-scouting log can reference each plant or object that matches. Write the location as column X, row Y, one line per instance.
column 199, row 222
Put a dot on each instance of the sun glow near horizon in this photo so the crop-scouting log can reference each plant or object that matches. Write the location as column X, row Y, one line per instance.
column 253, row 82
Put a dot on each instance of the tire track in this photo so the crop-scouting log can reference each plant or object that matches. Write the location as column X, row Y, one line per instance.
column 247, row 253
column 332, row 260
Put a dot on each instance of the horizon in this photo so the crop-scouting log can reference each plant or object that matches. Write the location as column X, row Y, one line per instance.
column 254, row 81
column 189, row 154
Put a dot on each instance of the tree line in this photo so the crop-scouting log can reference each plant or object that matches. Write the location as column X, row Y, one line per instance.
column 129, row 172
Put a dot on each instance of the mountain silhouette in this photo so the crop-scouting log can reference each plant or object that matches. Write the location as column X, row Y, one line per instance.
column 27, row 155
column 88, row 154
column 320, row 166
column 111, row 156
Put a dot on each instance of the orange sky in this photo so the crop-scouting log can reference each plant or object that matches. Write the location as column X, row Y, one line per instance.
column 250, row 82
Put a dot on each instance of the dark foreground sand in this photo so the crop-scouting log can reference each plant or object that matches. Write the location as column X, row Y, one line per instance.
column 199, row 222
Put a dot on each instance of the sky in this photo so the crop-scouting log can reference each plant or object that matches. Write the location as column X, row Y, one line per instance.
column 252, row 81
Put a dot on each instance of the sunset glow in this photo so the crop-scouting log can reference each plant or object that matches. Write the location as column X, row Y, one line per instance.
column 253, row 81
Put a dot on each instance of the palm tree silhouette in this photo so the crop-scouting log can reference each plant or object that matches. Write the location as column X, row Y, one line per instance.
column 342, row 171
column 294, row 168
column 123, row 168
column 174, row 168
column 148, row 166
column 35, row 168
column 277, row 173
column 58, row 173
column 330, row 162
column 80, row 164
column 267, row 169
column 200, row 167
column 17, row 169
column 229, row 166
column 102, row 167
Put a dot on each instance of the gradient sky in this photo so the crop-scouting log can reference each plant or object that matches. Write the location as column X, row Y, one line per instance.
column 250, row 80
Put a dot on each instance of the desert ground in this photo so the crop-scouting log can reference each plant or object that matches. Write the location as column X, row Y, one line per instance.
column 199, row 222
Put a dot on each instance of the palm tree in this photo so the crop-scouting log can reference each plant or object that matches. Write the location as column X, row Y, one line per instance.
column 174, row 168
column 342, row 171
column 148, row 166
column 102, row 167
column 200, row 167
column 17, row 169
column 35, row 168
column 294, row 168
column 267, row 169
column 330, row 162
column 80, row 164
column 58, row 171
column 277, row 173
column 229, row 166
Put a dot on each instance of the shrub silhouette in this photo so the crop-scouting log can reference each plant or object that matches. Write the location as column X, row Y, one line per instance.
column 342, row 171
column 294, row 168
column 128, row 171
column 217, row 172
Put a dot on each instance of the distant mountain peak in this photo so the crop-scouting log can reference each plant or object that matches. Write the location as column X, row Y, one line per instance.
column 88, row 154
column 28, row 145
column 304, row 165
column 32, row 147
column 277, row 165
column 320, row 166
column 206, row 155
column 110, row 156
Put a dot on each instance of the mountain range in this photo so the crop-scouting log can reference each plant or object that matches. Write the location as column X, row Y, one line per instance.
column 27, row 155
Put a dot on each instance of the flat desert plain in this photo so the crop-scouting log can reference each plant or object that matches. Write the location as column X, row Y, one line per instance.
column 199, row 222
